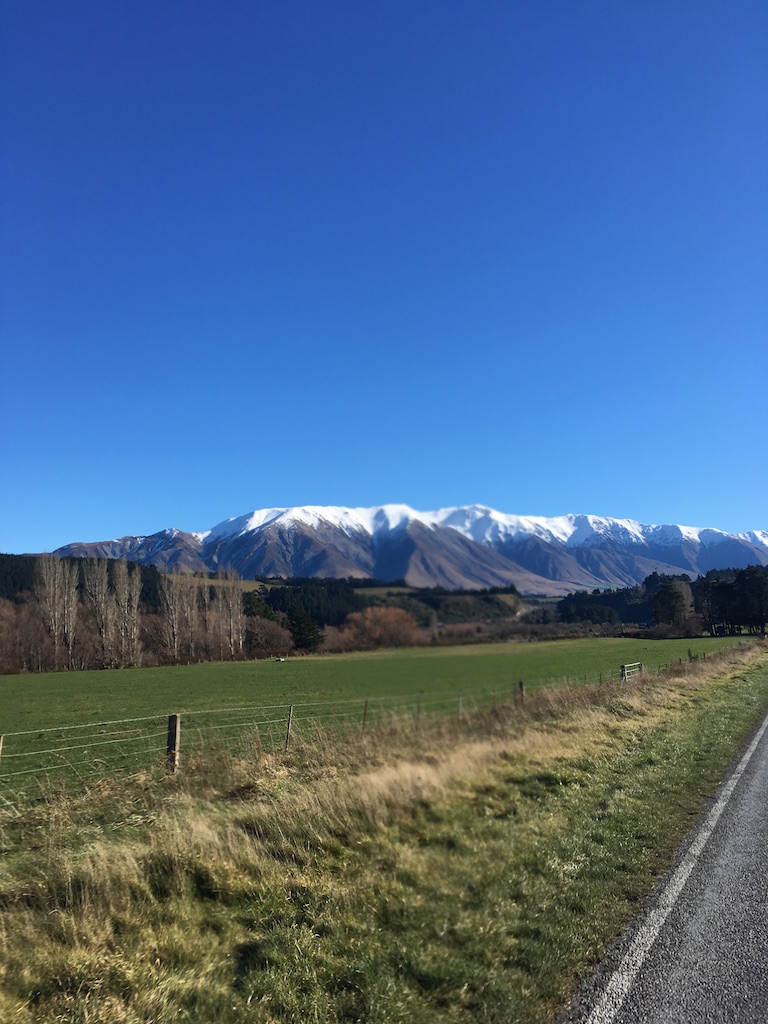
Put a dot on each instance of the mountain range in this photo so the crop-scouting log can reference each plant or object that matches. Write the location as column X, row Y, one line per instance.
column 469, row 547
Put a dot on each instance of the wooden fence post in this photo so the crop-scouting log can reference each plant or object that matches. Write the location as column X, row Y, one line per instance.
column 365, row 715
column 460, row 696
column 521, row 691
column 288, row 730
column 172, row 750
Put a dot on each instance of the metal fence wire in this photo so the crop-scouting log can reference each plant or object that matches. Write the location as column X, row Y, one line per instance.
column 96, row 750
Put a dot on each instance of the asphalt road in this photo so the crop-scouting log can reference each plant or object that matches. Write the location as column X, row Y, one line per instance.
column 700, row 953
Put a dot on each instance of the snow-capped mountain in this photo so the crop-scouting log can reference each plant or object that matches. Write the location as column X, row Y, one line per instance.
column 471, row 547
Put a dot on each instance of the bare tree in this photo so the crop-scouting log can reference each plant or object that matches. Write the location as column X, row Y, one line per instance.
column 70, row 580
column 223, row 617
column 121, row 606
column 9, row 636
column 35, row 644
column 100, row 605
column 126, row 592
column 187, row 591
column 134, row 624
column 209, row 640
column 267, row 639
column 232, row 624
column 380, row 627
column 48, row 585
column 56, row 590
column 171, row 616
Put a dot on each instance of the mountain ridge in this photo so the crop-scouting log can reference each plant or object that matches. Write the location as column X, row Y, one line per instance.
column 462, row 547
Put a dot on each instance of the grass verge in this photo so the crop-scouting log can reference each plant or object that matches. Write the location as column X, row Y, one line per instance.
column 466, row 870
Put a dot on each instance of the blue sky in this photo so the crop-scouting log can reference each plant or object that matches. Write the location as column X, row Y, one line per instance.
column 275, row 253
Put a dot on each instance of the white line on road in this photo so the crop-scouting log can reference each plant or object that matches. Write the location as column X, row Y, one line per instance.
column 616, row 991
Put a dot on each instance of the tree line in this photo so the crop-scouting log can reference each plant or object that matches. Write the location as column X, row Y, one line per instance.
column 90, row 613
column 59, row 614
column 327, row 601
column 625, row 605
column 330, row 602
column 723, row 602
column 733, row 600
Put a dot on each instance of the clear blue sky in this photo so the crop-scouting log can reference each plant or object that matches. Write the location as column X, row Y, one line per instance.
column 276, row 253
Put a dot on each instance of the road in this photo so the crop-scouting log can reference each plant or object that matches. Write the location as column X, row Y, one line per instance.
column 699, row 955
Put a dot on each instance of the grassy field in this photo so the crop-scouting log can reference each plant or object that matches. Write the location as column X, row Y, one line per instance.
column 66, row 727
column 57, row 699
column 472, row 870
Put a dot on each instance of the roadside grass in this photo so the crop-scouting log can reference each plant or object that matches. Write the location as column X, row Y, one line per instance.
column 454, row 870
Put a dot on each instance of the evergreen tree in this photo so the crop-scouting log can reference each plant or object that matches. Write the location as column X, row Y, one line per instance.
column 307, row 635
column 669, row 604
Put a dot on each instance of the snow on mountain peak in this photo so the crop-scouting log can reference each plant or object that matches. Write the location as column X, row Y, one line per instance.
column 759, row 537
column 353, row 520
column 479, row 523
column 350, row 520
column 588, row 530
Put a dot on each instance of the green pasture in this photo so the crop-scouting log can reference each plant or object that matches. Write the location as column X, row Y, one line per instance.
column 89, row 723
column 65, row 698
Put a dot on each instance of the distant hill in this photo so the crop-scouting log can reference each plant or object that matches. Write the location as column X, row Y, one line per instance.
column 470, row 547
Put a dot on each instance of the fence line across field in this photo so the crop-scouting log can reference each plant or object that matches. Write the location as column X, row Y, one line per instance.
column 435, row 696
column 139, row 740
column 241, row 721
column 65, row 764
column 398, row 700
column 87, row 725
column 245, row 724
column 75, row 746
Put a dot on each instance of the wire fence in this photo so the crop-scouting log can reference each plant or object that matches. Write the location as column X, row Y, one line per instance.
column 33, row 762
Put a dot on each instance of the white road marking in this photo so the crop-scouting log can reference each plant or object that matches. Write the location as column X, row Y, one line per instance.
column 616, row 991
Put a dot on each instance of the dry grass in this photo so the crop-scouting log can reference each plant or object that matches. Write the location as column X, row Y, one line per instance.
column 554, row 723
